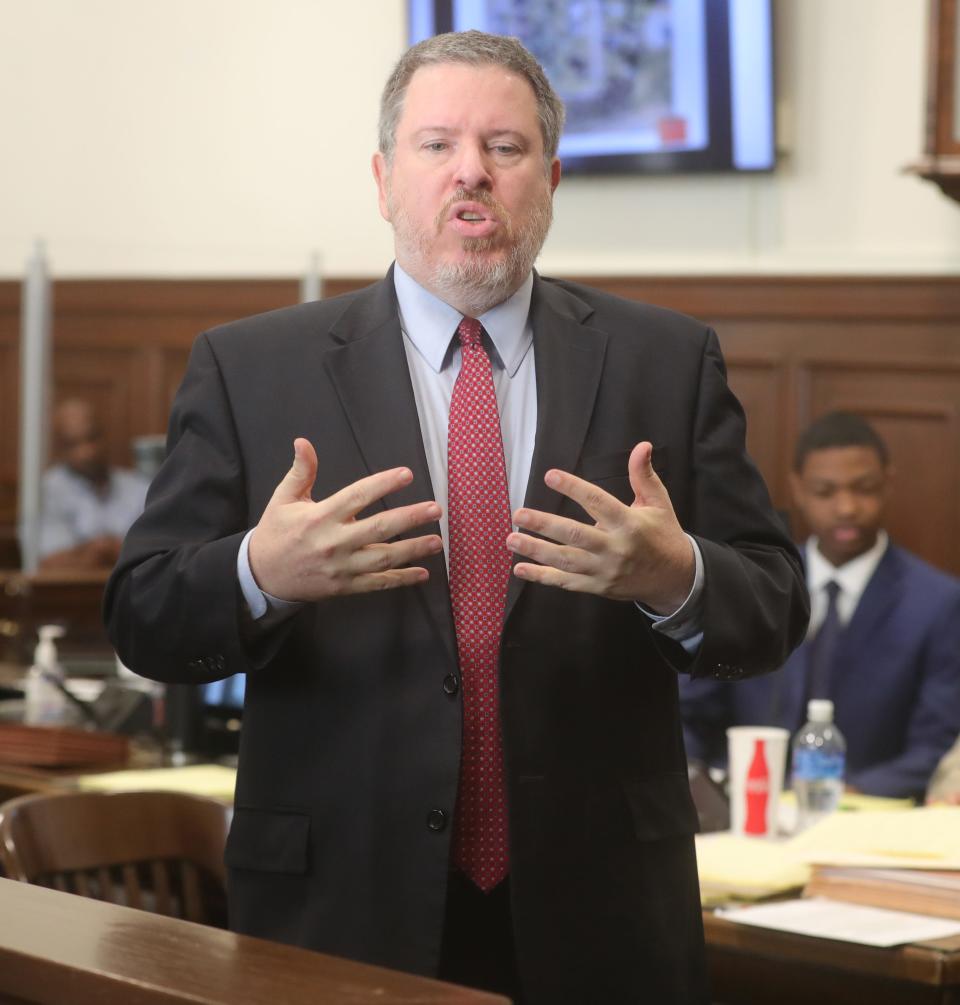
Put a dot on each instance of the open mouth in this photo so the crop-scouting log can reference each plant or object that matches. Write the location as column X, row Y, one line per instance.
column 471, row 219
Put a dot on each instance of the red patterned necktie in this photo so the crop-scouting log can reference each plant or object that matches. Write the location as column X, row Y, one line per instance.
column 478, row 510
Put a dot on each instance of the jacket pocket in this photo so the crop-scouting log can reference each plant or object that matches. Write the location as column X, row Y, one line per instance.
column 268, row 841
column 661, row 806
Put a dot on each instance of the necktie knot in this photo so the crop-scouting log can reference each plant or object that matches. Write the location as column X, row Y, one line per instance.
column 832, row 590
column 469, row 332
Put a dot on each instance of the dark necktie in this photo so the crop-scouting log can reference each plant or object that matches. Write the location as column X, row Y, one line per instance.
column 478, row 510
column 824, row 646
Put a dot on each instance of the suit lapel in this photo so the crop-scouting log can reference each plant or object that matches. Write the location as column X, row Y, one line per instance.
column 882, row 593
column 370, row 374
column 569, row 359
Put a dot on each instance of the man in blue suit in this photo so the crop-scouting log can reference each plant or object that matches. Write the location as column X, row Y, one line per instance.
column 884, row 638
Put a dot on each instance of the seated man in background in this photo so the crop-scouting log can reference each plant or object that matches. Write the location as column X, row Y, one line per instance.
column 884, row 637
column 87, row 506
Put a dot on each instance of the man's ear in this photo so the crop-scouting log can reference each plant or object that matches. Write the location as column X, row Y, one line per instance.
column 380, row 172
column 554, row 174
column 795, row 488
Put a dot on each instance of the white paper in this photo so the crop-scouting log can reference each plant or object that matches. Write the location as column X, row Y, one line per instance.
column 831, row 919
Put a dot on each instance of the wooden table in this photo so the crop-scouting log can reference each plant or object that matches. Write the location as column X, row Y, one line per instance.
column 68, row 597
column 56, row 948
column 756, row 966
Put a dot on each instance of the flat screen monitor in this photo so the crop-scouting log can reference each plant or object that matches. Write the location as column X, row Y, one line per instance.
column 650, row 86
column 205, row 719
column 225, row 695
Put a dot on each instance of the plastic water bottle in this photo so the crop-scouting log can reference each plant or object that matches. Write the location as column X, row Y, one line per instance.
column 819, row 760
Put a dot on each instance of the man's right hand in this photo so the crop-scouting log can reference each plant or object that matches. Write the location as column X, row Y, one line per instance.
column 303, row 550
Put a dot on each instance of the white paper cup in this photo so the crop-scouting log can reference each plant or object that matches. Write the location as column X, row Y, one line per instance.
column 756, row 761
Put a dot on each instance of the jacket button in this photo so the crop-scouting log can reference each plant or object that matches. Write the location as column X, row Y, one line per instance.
column 437, row 820
column 450, row 684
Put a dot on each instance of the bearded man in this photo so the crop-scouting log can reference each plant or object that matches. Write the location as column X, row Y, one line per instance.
column 517, row 508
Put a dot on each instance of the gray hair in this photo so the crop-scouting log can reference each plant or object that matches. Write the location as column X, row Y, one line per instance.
column 475, row 48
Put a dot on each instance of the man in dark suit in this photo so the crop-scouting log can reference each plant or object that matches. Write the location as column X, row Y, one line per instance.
column 886, row 649
column 476, row 773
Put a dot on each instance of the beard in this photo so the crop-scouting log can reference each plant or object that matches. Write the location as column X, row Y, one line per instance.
column 477, row 283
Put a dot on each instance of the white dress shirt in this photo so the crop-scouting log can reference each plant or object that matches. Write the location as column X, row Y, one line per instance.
column 852, row 578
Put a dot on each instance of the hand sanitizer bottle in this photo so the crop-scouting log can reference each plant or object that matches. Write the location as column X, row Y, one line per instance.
column 46, row 704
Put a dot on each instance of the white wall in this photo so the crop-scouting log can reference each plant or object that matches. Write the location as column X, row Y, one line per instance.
column 231, row 137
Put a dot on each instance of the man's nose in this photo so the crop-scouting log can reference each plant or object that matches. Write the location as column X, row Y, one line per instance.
column 472, row 168
column 845, row 503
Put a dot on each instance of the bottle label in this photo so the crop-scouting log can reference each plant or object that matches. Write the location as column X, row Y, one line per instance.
column 810, row 765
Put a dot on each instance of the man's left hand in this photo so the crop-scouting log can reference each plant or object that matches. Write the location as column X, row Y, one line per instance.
column 637, row 552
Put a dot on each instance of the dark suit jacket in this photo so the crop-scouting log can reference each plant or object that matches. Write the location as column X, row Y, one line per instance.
column 351, row 742
column 895, row 683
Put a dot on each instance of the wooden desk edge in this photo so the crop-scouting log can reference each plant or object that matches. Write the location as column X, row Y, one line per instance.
column 57, row 947
column 936, row 964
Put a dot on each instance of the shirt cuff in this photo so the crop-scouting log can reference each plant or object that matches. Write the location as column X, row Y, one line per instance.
column 685, row 625
column 262, row 607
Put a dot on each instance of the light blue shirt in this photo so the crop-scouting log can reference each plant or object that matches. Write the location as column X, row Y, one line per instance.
column 433, row 355
column 73, row 510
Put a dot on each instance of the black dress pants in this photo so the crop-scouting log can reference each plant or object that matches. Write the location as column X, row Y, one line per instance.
column 478, row 949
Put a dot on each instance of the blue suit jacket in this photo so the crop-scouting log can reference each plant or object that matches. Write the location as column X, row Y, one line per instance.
column 895, row 683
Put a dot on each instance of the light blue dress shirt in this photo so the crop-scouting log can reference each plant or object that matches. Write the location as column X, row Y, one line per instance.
column 73, row 510
column 433, row 355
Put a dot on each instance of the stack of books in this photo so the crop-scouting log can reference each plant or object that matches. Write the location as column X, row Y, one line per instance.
column 920, row 891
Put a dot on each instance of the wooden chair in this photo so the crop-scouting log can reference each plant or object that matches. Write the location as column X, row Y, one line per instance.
column 157, row 851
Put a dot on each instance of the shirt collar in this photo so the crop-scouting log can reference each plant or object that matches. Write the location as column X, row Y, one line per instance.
column 429, row 323
column 852, row 576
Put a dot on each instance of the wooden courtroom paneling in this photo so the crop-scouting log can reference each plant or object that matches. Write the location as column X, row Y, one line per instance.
column 124, row 345
column 888, row 347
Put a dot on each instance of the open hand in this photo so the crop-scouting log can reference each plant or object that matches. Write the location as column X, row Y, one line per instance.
column 305, row 550
column 636, row 552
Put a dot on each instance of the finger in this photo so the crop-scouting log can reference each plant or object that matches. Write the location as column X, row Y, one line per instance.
column 384, row 557
column 567, row 560
column 389, row 523
column 390, row 580
column 296, row 484
column 647, row 488
column 548, row 576
column 562, row 529
column 606, row 509
column 349, row 501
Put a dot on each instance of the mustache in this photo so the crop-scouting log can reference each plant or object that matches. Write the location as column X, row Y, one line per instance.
column 474, row 195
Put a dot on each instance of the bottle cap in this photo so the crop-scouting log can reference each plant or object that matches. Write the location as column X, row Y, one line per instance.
column 820, row 710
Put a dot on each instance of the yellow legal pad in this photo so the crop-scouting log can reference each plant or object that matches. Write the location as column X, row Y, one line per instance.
column 212, row 780
column 746, row 868
column 924, row 838
column 882, row 832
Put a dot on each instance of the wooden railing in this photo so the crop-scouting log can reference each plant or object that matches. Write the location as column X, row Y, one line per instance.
column 60, row 949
